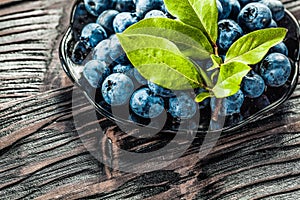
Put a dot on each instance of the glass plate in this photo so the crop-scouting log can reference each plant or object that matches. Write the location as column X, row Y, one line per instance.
column 171, row 125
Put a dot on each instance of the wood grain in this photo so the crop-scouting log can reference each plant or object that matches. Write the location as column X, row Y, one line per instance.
column 29, row 35
column 43, row 154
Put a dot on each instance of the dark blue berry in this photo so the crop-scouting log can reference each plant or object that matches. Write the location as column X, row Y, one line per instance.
column 254, row 16
column 280, row 48
column 117, row 89
column 276, row 8
column 253, row 85
column 96, row 7
column 220, row 10
column 102, row 50
column 145, row 104
column 230, row 105
column 155, row 13
column 235, row 9
column 182, row 106
column 80, row 52
column 117, row 53
column 227, row 6
column 144, row 6
column 92, row 34
column 273, row 24
column 244, row 2
column 95, row 72
column 125, row 69
column 261, row 102
column 160, row 91
column 106, row 19
column 124, row 20
column 275, row 69
column 81, row 17
column 125, row 5
column 229, row 32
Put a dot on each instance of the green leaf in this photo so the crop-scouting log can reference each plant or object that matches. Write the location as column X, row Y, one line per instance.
column 217, row 61
column 202, row 14
column 202, row 96
column 251, row 48
column 190, row 40
column 160, row 61
column 230, row 77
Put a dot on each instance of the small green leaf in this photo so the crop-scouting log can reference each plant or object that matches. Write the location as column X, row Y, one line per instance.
column 160, row 61
column 251, row 48
column 230, row 77
column 202, row 96
column 217, row 61
column 202, row 14
column 140, row 41
column 187, row 38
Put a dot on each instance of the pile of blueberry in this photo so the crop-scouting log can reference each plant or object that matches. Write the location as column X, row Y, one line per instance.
column 108, row 71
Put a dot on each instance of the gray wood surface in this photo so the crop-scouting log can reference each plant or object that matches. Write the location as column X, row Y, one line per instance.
column 42, row 155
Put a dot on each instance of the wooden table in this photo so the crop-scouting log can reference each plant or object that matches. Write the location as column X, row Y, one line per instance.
column 42, row 155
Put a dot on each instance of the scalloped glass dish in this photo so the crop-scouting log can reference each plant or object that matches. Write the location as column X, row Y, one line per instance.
column 276, row 95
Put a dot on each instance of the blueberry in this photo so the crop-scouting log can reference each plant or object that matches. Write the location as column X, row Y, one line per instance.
column 139, row 78
column 276, row 8
column 96, row 7
column 229, row 32
column 92, row 34
column 117, row 89
column 81, row 17
column 231, row 104
column 253, row 85
column 145, row 104
column 244, row 2
column 80, row 52
column 160, row 91
column 275, row 69
column 154, row 13
column 124, row 20
column 227, row 6
column 102, row 50
column 235, row 9
column 254, row 16
column 261, row 102
column 125, row 69
column 273, row 24
column 280, row 48
column 125, row 5
column 234, row 102
column 182, row 106
column 106, row 19
column 144, row 6
column 80, row 11
column 95, row 72
column 220, row 10
column 117, row 53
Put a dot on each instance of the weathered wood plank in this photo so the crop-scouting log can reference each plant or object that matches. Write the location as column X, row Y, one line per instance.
column 42, row 152
column 29, row 32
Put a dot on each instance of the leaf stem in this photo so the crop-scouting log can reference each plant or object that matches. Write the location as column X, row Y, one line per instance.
column 218, row 106
column 216, row 50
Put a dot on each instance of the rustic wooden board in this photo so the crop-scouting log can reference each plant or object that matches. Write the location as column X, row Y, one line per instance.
column 29, row 37
column 42, row 155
